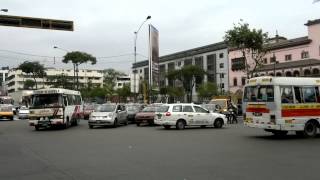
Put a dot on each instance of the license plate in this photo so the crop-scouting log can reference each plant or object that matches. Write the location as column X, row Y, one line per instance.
column 98, row 122
column 159, row 116
column 257, row 114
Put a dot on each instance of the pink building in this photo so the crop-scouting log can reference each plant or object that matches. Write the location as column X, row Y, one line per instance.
column 287, row 57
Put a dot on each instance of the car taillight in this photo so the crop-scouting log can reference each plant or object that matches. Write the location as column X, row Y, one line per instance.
column 168, row 114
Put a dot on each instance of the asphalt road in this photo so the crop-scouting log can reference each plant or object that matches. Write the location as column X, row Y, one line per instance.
column 147, row 153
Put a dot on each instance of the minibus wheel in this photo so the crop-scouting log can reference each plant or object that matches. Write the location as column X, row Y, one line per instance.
column 310, row 129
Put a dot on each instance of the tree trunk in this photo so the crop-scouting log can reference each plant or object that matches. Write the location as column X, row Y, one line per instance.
column 35, row 81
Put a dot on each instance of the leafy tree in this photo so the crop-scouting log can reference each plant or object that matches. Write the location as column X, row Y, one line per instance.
column 34, row 68
column 28, row 84
column 60, row 81
column 187, row 76
column 250, row 42
column 77, row 58
column 176, row 93
column 124, row 92
column 207, row 90
column 110, row 76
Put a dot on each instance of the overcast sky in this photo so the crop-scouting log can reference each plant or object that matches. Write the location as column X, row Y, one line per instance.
column 105, row 28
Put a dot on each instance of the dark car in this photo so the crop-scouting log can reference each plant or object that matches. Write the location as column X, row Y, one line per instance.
column 146, row 115
column 132, row 110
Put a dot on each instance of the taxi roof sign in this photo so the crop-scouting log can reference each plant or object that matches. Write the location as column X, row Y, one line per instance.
column 39, row 23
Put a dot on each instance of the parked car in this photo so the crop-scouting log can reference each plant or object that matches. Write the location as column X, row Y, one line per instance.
column 146, row 115
column 87, row 110
column 132, row 110
column 23, row 112
column 182, row 115
column 108, row 115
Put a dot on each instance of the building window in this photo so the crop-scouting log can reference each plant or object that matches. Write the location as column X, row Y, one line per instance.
column 222, row 85
column 237, row 64
column 179, row 63
column 272, row 59
column 243, row 81
column 288, row 57
column 221, row 65
column 235, row 82
column 188, row 62
column 221, row 75
column 221, row 55
column 198, row 61
column 265, row 61
column 304, row 54
column 140, row 70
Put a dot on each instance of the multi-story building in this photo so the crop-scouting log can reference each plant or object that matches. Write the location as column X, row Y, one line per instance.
column 121, row 81
column 286, row 57
column 3, row 76
column 16, row 78
column 212, row 58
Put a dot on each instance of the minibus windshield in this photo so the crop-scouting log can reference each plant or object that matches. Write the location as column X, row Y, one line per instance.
column 258, row 94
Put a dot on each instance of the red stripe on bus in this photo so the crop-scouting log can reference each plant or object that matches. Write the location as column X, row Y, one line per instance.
column 300, row 112
column 258, row 110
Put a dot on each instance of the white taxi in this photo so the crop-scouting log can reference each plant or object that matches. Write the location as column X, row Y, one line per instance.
column 182, row 115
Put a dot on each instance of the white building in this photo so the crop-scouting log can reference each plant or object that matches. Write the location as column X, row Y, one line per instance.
column 122, row 81
column 3, row 76
column 212, row 58
column 16, row 78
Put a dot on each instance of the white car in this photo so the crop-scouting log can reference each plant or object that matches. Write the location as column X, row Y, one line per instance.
column 23, row 112
column 108, row 115
column 182, row 115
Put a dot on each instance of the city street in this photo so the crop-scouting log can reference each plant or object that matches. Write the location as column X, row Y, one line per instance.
column 130, row 152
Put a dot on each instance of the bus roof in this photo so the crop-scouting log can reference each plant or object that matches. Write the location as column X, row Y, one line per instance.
column 56, row 91
column 269, row 80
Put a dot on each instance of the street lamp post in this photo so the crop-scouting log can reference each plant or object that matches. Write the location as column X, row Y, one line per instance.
column 135, row 58
column 74, row 66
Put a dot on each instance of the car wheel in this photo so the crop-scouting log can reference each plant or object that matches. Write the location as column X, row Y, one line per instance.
column 310, row 129
column 115, row 123
column 67, row 125
column 36, row 128
column 90, row 126
column 218, row 123
column 138, row 124
column 75, row 122
column 180, row 125
column 167, row 126
column 11, row 118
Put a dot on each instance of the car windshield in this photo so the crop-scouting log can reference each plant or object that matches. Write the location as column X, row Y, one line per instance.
column 210, row 107
column 132, row 108
column 162, row 109
column 89, row 107
column 105, row 108
column 149, row 109
column 46, row 100
column 258, row 94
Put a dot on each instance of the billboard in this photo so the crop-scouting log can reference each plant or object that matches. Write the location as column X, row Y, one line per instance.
column 153, row 57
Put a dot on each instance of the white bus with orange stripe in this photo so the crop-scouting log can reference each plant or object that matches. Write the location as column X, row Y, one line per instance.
column 55, row 107
column 282, row 104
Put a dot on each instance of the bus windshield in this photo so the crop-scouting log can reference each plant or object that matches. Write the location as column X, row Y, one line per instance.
column 258, row 94
column 47, row 100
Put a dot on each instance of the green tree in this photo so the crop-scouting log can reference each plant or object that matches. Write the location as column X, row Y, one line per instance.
column 110, row 75
column 35, row 69
column 250, row 42
column 60, row 81
column 187, row 75
column 207, row 90
column 28, row 84
column 124, row 92
column 176, row 93
column 77, row 58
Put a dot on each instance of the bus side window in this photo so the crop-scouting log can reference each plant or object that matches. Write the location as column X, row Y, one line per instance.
column 309, row 94
column 317, row 95
column 65, row 101
column 286, row 95
column 297, row 93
